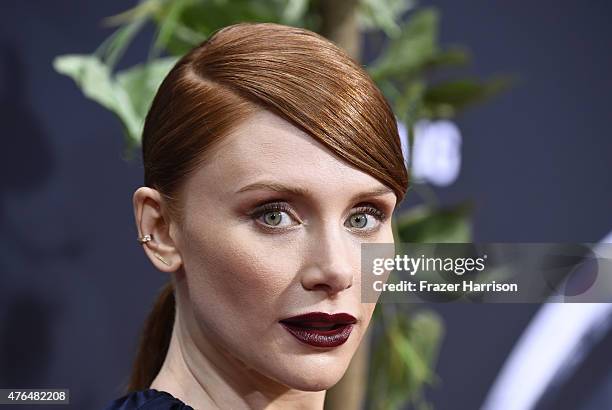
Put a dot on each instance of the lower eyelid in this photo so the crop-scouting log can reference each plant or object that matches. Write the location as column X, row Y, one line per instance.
column 272, row 230
column 366, row 232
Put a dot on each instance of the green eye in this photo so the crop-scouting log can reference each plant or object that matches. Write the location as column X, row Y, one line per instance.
column 273, row 217
column 366, row 219
column 358, row 220
column 280, row 215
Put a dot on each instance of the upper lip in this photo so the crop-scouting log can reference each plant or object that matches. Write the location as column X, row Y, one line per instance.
column 336, row 318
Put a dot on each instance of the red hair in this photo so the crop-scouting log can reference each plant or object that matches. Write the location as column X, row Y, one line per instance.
column 295, row 73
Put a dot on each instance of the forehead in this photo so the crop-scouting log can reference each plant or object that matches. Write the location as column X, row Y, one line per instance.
column 265, row 146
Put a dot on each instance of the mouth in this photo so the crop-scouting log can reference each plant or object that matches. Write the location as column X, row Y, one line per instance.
column 320, row 329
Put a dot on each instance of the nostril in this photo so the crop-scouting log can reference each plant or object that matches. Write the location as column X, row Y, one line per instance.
column 321, row 286
column 330, row 288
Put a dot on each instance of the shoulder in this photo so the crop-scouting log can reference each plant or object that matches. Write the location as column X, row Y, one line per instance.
column 149, row 399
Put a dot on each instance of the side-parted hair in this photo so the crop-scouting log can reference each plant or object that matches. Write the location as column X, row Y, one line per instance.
column 294, row 73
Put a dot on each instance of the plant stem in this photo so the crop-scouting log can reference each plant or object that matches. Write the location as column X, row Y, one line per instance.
column 339, row 24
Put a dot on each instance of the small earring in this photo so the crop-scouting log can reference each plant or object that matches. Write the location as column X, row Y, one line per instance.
column 145, row 238
column 161, row 258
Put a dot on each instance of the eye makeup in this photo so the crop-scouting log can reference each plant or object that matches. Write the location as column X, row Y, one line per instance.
column 366, row 208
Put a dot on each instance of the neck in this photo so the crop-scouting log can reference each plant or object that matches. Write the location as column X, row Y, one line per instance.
column 206, row 377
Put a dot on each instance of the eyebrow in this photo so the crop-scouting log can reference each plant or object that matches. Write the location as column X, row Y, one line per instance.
column 300, row 191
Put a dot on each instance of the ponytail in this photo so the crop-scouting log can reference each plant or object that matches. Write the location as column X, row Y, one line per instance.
column 154, row 341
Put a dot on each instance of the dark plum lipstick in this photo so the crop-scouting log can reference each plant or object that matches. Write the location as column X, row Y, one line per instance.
column 320, row 329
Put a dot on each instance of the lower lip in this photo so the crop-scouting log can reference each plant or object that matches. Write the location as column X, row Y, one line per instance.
column 320, row 338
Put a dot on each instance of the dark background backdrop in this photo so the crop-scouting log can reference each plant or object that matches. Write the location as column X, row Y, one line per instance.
column 75, row 286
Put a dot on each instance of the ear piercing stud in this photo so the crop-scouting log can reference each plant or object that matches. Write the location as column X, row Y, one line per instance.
column 145, row 238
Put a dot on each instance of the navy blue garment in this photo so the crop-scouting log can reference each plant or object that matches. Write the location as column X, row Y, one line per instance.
column 149, row 399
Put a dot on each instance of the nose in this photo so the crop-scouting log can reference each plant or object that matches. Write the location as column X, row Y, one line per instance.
column 330, row 262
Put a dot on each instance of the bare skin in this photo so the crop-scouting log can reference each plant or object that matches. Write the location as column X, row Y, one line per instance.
column 238, row 269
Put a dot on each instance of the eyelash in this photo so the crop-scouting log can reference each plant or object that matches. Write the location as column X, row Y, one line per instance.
column 367, row 208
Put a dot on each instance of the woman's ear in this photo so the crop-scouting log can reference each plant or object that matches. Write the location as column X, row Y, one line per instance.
column 150, row 220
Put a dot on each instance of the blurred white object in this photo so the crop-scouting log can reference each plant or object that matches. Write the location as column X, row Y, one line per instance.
column 551, row 342
column 437, row 151
column 403, row 134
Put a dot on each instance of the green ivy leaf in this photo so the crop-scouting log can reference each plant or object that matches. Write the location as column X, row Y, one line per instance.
column 293, row 11
column 446, row 99
column 128, row 96
column 91, row 75
column 403, row 358
column 94, row 79
column 452, row 57
column 142, row 81
column 427, row 333
column 168, row 25
column 416, row 45
column 383, row 14
column 424, row 224
column 408, row 105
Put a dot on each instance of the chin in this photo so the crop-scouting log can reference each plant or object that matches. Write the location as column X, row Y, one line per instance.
column 316, row 380
column 315, row 384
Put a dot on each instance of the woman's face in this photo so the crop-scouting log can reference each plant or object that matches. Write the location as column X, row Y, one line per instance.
column 272, row 228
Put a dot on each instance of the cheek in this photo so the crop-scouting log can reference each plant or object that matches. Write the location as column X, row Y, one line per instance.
column 236, row 270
